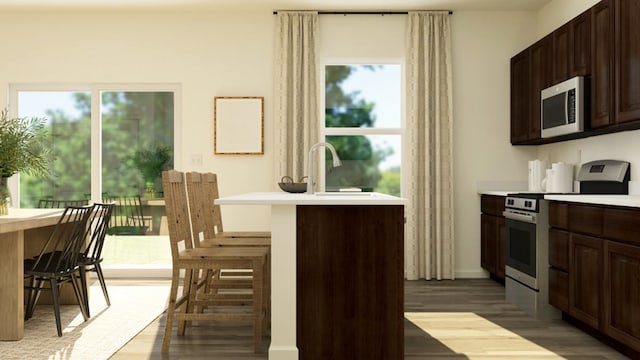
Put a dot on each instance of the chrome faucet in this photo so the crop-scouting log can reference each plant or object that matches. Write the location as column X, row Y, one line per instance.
column 334, row 155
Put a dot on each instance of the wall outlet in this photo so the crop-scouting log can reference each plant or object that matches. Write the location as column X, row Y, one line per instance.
column 196, row 160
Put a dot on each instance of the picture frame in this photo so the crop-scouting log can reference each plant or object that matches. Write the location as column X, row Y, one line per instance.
column 238, row 125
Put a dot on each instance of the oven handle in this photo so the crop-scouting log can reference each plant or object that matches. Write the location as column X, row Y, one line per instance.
column 520, row 217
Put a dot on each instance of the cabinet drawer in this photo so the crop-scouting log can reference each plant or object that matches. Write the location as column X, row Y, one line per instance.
column 492, row 205
column 559, row 289
column 559, row 249
column 559, row 215
column 586, row 219
column 622, row 224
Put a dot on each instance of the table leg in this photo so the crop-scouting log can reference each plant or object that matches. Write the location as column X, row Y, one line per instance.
column 12, row 285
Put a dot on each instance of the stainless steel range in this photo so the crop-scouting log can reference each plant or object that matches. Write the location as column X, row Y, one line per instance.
column 527, row 254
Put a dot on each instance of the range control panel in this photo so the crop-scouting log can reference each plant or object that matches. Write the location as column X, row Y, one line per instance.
column 520, row 203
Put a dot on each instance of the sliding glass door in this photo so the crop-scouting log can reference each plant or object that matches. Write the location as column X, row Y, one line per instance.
column 109, row 144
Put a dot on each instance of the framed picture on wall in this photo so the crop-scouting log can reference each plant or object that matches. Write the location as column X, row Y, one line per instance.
column 238, row 125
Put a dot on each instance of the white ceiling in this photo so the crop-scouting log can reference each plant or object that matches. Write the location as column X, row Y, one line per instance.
column 269, row 5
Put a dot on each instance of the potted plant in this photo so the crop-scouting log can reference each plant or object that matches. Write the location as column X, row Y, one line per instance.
column 22, row 149
column 150, row 163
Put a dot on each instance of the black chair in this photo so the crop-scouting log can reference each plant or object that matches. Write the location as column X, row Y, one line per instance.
column 127, row 217
column 91, row 257
column 58, row 262
column 60, row 204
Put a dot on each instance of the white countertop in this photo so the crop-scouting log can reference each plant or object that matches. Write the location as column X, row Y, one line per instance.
column 612, row 200
column 320, row 198
column 496, row 192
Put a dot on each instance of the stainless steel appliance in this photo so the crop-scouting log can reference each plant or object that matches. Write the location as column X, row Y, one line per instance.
column 527, row 254
column 604, row 177
column 562, row 108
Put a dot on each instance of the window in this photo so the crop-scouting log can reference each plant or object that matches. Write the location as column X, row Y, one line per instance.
column 363, row 121
column 95, row 133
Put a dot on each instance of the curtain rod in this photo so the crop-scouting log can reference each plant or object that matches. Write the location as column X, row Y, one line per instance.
column 365, row 12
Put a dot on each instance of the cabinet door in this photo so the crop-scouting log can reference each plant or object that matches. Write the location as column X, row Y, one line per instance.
column 541, row 78
column 501, row 238
column 559, row 249
column 602, row 52
column 627, row 60
column 488, row 241
column 559, row 289
column 580, row 45
column 585, row 278
column 622, row 293
column 520, row 97
column 562, row 52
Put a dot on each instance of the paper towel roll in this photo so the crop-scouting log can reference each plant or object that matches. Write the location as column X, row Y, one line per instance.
column 548, row 183
column 562, row 177
column 536, row 174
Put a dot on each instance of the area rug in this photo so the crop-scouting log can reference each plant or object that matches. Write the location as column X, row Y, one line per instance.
column 109, row 328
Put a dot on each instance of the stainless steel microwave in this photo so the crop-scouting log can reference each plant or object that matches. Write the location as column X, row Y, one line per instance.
column 562, row 108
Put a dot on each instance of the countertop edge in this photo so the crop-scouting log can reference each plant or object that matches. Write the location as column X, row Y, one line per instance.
column 278, row 198
column 611, row 200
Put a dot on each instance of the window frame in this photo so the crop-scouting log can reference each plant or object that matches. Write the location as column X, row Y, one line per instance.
column 352, row 131
column 96, row 90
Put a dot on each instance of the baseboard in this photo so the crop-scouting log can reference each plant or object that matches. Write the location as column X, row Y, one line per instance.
column 471, row 274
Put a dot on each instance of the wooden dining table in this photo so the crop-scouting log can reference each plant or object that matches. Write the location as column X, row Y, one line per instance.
column 22, row 233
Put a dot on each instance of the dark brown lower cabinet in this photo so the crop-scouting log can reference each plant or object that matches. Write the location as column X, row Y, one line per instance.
column 585, row 259
column 594, row 274
column 492, row 236
column 559, row 289
column 350, row 282
column 622, row 293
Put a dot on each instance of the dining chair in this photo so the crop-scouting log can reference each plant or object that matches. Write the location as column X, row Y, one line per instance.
column 191, row 304
column 60, row 204
column 127, row 217
column 90, row 258
column 204, row 235
column 210, row 181
column 57, row 263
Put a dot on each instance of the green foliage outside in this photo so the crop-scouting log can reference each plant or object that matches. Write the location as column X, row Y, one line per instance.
column 360, row 159
column 131, row 121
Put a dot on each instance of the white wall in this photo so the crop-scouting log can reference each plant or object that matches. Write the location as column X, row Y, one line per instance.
column 483, row 43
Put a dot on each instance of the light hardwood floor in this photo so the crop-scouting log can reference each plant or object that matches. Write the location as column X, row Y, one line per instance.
column 461, row 319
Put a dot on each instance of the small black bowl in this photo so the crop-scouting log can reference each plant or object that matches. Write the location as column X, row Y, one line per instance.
column 292, row 187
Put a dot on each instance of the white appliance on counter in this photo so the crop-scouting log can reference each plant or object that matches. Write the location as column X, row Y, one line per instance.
column 536, row 174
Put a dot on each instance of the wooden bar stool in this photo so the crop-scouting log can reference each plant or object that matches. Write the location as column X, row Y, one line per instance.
column 190, row 303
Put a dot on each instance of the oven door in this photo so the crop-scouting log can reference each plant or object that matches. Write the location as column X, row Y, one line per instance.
column 521, row 249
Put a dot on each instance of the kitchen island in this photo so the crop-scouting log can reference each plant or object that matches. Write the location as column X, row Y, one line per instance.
column 337, row 274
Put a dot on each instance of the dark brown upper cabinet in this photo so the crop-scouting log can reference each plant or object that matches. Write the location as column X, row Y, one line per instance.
column 602, row 56
column 520, row 97
column 627, row 32
column 580, row 45
column 541, row 78
column 615, row 90
column 602, row 44
column 571, row 48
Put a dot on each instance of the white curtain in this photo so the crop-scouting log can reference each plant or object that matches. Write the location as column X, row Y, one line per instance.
column 296, row 89
column 429, row 247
